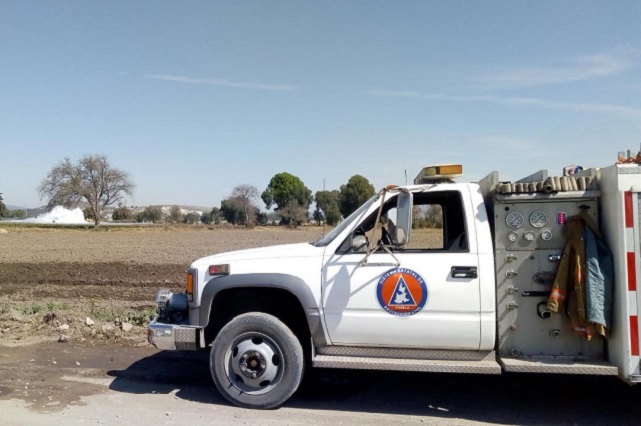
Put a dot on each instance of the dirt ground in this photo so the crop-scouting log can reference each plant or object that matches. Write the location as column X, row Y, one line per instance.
column 52, row 280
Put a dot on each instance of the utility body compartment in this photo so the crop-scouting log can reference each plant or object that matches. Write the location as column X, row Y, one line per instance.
column 529, row 240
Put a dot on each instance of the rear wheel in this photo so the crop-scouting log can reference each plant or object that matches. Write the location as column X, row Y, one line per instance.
column 256, row 361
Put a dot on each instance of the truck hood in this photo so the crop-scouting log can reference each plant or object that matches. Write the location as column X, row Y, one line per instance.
column 272, row 252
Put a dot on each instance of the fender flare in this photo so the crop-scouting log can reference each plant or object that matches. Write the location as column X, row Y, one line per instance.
column 289, row 283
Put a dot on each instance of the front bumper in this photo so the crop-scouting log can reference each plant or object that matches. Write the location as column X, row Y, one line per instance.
column 171, row 337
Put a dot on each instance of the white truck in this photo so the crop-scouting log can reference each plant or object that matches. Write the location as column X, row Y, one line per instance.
column 432, row 277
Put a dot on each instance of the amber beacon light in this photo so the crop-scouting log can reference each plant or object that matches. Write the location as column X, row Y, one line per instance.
column 443, row 172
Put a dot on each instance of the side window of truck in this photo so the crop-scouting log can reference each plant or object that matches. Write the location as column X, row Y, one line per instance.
column 438, row 222
column 427, row 227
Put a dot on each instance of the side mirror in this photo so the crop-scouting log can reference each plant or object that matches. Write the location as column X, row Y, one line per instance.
column 359, row 244
column 403, row 218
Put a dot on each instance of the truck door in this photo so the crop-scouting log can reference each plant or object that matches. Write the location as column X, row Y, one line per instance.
column 425, row 295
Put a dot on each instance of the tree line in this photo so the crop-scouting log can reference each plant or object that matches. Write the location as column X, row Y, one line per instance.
column 10, row 214
column 92, row 180
column 291, row 201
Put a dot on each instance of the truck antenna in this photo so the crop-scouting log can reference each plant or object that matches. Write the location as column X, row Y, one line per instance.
column 319, row 218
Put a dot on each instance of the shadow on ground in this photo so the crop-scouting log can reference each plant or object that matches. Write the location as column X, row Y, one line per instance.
column 506, row 399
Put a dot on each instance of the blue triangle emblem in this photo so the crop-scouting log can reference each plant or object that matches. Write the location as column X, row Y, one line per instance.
column 402, row 295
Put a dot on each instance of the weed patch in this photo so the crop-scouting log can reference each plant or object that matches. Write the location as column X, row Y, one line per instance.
column 31, row 310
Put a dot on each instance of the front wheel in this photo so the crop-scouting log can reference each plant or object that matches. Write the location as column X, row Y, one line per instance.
column 256, row 361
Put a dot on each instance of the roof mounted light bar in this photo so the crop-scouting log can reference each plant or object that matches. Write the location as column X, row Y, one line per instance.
column 440, row 173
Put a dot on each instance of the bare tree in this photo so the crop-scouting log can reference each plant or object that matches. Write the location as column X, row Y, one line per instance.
column 434, row 216
column 294, row 213
column 245, row 195
column 91, row 179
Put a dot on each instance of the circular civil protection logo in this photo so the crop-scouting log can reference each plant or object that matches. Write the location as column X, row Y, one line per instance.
column 401, row 292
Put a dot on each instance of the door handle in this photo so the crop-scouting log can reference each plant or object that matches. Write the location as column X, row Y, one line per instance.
column 464, row 272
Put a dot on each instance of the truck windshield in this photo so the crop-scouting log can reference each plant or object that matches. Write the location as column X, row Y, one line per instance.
column 329, row 237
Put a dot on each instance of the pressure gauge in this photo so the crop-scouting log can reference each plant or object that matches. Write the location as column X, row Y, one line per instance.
column 538, row 219
column 514, row 220
column 529, row 236
column 546, row 235
column 513, row 236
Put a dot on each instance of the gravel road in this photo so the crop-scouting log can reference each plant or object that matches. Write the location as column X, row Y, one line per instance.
column 55, row 384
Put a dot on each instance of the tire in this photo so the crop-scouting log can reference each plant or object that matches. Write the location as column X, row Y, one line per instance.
column 256, row 361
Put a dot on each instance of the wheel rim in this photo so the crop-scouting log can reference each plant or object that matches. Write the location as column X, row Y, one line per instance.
column 254, row 363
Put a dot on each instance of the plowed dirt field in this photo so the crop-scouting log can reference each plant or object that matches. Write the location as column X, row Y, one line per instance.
column 52, row 280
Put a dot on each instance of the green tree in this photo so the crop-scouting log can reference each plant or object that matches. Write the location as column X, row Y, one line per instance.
column 205, row 218
column 216, row 215
column 262, row 218
column 175, row 214
column 191, row 218
column 327, row 206
column 92, row 180
column 122, row 213
column 285, row 189
column 3, row 207
column 16, row 214
column 232, row 210
column 152, row 214
column 211, row 217
column 354, row 193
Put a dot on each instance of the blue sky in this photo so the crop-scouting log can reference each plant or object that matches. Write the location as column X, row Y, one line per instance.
column 193, row 98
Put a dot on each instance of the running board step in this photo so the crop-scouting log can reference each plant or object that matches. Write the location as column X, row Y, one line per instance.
column 559, row 365
column 419, row 365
